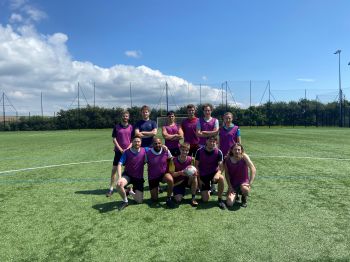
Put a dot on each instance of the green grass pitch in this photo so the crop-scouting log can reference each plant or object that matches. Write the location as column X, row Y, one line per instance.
column 299, row 208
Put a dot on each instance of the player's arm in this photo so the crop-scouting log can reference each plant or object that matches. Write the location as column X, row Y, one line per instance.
column 251, row 167
column 138, row 132
column 149, row 133
column 213, row 132
column 172, row 171
column 115, row 142
column 180, row 134
column 239, row 136
column 166, row 135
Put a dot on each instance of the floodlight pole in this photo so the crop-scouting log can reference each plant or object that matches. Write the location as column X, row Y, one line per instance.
column 3, row 109
column 340, row 91
column 167, row 99
column 226, row 95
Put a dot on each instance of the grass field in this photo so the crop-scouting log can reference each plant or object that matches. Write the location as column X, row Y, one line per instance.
column 299, row 208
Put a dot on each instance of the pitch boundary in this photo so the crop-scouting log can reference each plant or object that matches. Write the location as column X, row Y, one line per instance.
column 100, row 161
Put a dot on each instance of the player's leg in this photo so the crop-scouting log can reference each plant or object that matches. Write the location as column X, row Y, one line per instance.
column 121, row 183
column 117, row 156
column 168, row 179
column 153, row 188
column 113, row 181
column 245, row 191
column 230, row 198
column 219, row 179
column 193, row 184
column 179, row 191
column 138, row 187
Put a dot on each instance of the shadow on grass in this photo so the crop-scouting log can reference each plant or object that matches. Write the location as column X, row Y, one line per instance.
column 236, row 206
column 206, row 205
column 106, row 207
column 160, row 203
column 92, row 192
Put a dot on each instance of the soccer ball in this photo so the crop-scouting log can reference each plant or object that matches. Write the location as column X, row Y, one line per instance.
column 190, row 170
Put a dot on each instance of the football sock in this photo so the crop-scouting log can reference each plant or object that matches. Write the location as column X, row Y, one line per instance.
column 111, row 188
column 219, row 199
column 193, row 196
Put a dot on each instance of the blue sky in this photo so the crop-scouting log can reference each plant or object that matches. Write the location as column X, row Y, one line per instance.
column 291, row 43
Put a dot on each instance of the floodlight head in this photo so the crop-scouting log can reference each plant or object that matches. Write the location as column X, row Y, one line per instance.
column 337, row 52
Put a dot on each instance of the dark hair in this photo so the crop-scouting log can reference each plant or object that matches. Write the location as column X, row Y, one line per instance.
column 207, row 105
column 136, row 136
column 189, row 106
column 170, row 113
column 212, row 137
column 145, row 107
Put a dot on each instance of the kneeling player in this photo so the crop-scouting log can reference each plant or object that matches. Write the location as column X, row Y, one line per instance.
column 209, row 161
column 157, row 161
column 134, row 160
column 236, row 172
column 177, row 166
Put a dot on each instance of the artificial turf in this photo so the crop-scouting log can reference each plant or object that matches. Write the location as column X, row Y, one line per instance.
column 298, row 210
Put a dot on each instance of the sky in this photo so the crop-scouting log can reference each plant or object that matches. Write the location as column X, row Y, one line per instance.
column 128, row 51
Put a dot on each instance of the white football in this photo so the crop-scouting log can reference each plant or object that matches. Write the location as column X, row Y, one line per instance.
column 190, row 170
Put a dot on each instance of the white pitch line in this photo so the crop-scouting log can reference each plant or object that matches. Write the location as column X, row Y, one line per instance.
column 51, row 166
column 99, row 161
column 302, row 157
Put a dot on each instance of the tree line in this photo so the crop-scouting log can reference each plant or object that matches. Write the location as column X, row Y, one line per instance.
column 302, row 113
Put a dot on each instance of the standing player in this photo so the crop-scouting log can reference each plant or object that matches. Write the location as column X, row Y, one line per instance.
column 236, row 173
column 181, row 180
column 133, row 159
column 172, row 134
column 146, row 128
column 209, row 163
column 207, row 125
column 157, row 161
column 229, row 134
column 189, row 128
column 122, row 141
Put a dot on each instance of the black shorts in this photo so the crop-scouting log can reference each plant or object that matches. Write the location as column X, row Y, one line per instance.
column 181, row 188
column 207, row 180
column 117, row 156
column 137, row 183
column 155, row 182
column 175, row 151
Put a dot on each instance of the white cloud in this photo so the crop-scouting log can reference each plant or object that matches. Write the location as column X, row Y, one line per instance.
column 204, row 78
column 31, row 63
column 25, row 13
column 16, row 18
column 133, row 53
column 306, row 80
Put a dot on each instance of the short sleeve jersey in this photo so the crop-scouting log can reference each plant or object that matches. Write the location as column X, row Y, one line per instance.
column 146, row 125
